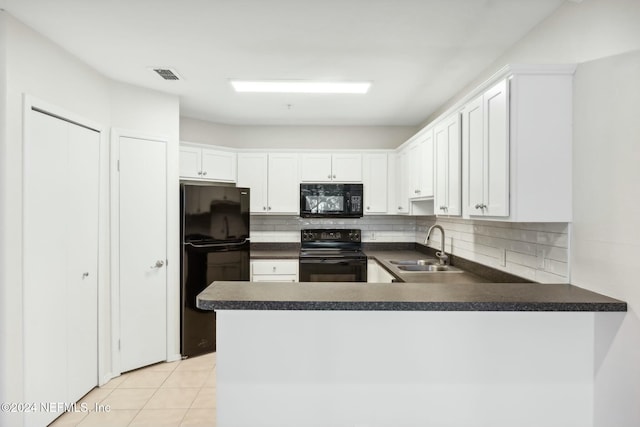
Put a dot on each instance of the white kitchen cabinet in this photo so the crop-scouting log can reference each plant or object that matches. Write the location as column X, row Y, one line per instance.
column 198, row 162
column 327, row 167
column 517, row 146
column 274, row 270
column 485, row 139
column 377, row 273
column 402, row 181
column 273, row 180
column 448, row 180
column 420, row 152
column 375, row 183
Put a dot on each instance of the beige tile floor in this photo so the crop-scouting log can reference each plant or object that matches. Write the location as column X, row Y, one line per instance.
column 176, row 394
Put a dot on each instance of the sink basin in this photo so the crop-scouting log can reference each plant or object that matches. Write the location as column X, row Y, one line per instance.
column 430, row 267
column 414, row 262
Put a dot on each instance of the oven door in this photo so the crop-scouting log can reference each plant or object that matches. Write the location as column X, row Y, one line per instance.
column 333, row 270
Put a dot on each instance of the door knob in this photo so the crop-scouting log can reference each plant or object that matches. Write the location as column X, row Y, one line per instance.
column 159, row 263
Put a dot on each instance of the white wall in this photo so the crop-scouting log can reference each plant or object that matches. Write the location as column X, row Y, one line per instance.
column 576, row 32
column 325, row 137
column 41, row 69
column 31, row 64
column 605, row 245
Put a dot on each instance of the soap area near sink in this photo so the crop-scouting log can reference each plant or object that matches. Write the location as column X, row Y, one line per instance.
column 424, row 265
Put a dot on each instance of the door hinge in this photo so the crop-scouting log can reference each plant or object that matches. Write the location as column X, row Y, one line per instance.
column 118, row 165
column 118, row 345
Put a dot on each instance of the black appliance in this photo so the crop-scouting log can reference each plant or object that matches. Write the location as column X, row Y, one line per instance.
column 331, row 200
column 332, row 255
column 215, row 246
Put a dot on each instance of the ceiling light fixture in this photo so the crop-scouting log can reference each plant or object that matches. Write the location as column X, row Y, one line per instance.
column 300, row 86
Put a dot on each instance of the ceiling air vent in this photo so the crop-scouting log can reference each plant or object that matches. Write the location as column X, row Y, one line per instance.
column 166, row 73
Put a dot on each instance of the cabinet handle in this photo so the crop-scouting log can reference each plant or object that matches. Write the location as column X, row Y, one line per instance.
column 158, row 264
column 368, row 208
column 274, row 269
column 269, row 208
column 85, row 275
column 478, row 206
column 329, row 176
column 204, row 173
column 199, row 172
column 264, row 208
column 334, row 177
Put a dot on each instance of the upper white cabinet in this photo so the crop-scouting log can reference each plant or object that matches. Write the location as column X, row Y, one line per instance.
column 448, row 180
column 517, row 138
column 327, row 167
column 200, row 162
column 401, row 188
column 420, row 173
column 375, row 183
column 273, row 180
column 485, row 140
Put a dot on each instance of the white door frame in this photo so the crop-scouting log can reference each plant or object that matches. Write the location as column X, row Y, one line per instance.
column 31, row 103
column 116, row 134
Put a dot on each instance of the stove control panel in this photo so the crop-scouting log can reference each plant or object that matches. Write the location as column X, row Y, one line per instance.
column 330, row 235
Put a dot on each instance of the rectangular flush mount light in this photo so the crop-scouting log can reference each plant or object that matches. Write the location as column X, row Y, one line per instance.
column 300, row 86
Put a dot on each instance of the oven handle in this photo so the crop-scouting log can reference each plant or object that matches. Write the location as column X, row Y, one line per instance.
column 332, row 261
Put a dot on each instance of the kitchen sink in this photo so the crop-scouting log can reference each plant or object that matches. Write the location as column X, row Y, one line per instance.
column 414, row 262
column 430, row 268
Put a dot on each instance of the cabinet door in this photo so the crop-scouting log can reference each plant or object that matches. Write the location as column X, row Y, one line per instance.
column 315, row 167
column 218, row 165
column 346, row 167
column 496, row 150
column 284, row 188
column 414, row 173
column 448, row 166
column 474, row 164
column 190, row 162
column 425, row 177
column 375, row 183
column 402, row 182
column 252, row 173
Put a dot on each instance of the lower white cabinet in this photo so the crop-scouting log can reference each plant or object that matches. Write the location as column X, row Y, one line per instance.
column 274, row 270
column 377, row 273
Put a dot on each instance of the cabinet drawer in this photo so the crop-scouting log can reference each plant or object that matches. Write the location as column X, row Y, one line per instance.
column 275, row 267
column 274, row 278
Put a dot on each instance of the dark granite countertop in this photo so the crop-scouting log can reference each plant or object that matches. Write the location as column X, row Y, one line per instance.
column 275, row 254
column 403, row 297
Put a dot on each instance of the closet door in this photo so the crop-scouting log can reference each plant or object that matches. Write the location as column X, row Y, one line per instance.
column 61, row 166
column 45, row 264
column 82, row 260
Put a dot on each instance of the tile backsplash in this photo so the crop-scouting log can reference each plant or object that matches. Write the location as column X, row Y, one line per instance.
column 535, row 251
column 383, row 228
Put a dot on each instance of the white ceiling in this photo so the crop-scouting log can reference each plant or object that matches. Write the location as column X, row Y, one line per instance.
column 417, row 53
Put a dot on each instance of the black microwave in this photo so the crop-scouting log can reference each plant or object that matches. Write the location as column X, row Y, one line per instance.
column 331, row 200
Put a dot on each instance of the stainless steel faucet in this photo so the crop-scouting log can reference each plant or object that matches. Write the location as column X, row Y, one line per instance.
column 442, row 256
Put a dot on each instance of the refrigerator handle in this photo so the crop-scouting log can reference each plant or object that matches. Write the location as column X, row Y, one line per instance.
column 217, row 245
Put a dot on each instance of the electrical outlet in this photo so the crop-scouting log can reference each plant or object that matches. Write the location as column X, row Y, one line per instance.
column 503, row 258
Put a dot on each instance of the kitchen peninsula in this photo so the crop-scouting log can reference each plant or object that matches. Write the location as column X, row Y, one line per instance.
column 406, row 354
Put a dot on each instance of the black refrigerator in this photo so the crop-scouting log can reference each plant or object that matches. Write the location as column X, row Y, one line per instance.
column 215, row 246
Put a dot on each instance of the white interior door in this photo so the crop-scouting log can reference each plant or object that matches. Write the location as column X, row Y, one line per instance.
column 82, row 260
column 142, row 252
column 61, row 184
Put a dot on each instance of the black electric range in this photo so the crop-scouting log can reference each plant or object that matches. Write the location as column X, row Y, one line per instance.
column 332, row 255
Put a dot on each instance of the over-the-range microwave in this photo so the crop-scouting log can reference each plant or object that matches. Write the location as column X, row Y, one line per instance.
column 331, row 200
